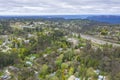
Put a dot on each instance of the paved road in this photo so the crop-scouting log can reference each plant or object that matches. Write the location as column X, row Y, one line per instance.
column 98, row 41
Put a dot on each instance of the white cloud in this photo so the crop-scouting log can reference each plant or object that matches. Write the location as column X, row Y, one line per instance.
column 25, row 7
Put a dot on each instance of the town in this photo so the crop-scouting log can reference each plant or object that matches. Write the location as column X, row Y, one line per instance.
column 59, row 49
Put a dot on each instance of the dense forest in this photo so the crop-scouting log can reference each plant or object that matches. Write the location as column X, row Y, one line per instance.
column 53, row 49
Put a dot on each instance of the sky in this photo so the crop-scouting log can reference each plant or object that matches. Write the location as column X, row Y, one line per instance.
column 59, row 7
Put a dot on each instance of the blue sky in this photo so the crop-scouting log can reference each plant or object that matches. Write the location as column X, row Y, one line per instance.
column 47, row 7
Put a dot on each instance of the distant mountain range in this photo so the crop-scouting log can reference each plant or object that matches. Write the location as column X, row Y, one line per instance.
column 113, row 19
column 106, row 18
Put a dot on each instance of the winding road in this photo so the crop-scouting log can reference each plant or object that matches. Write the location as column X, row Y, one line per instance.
column 98, row 41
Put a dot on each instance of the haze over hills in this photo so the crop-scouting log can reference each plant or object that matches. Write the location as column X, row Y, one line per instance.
column 113, row 19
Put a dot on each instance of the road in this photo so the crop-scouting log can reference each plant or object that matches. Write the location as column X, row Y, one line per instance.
column 98, row 41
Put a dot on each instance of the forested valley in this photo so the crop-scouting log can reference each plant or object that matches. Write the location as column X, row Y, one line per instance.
column 53, row 49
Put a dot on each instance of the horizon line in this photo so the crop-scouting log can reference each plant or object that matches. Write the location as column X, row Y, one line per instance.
column 60, row 14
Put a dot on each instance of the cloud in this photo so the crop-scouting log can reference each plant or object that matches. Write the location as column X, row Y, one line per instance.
column 25, row 7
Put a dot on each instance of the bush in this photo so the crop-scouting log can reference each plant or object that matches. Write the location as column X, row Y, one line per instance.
column 64, row 65
column 44, row 71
